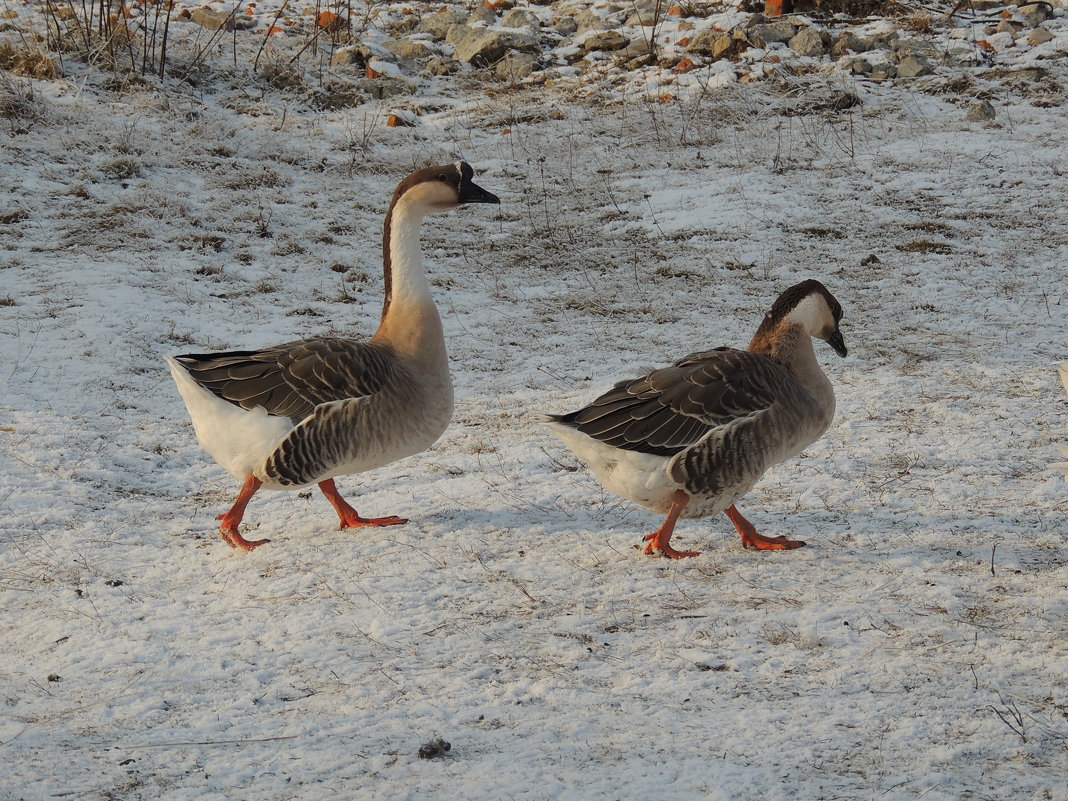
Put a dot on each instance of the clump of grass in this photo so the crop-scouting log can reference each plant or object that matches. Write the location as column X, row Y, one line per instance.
column 282, row 76
column 27, row 62
column 18, row 104
column 926, row 246
column 121, row 169
column 7, row 300
column 336, row 95
column 12, row 217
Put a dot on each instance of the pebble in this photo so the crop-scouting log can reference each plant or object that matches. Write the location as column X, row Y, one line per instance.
column 914, row 67
column 980, row 112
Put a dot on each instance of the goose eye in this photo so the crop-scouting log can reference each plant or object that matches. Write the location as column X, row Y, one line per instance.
column 443, row 178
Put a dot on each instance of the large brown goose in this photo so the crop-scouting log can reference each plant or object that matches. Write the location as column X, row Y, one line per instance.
column 304, row 412
column 691, row 439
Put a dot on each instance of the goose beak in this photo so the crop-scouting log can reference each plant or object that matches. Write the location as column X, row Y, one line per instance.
column 835, row 341
column 470, row 192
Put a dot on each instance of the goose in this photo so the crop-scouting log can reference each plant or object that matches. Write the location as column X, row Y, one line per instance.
column 689, row 440
column 305, row 412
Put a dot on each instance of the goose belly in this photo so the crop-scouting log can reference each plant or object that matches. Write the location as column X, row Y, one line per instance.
column 354, row 436
column 638, row 477
column 703, row 504
column 388, row 448
column 238, row 439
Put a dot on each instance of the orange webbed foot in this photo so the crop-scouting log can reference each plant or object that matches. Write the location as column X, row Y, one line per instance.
column 660, row 540
column 355, row 521
column 751, row 539
column 762, row 543
column 232, row 519
column 232, row 537
column 660, row 545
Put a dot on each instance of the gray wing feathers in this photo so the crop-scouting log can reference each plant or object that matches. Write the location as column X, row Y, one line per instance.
column 320, row 443
column 672, row 409
column 290, row 380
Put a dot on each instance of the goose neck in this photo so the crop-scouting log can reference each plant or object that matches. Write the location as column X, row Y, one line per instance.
column 405, row 279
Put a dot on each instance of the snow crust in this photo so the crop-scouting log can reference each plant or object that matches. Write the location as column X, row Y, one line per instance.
column 916, row 648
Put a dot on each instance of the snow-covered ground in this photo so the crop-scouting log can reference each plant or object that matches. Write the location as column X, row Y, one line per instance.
column 917, row 648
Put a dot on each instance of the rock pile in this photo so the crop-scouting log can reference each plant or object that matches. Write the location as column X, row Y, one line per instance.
column 569, row 35
column 634, row 46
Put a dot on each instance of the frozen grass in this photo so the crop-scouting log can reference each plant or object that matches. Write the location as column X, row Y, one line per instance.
column 915, row 649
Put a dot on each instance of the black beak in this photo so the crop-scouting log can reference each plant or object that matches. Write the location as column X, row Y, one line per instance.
column 471, row 192
column 835, row 341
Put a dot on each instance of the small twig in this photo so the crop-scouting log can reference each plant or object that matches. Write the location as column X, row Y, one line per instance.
column 992, row 552
column 1011, row 710
column 211, row 742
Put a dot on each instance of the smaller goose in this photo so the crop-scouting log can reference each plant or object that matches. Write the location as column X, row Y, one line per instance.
column 304, row 412
column 691, row 439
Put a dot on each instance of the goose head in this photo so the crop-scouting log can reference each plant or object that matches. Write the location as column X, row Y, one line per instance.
column 808, row 306
column 433, row 190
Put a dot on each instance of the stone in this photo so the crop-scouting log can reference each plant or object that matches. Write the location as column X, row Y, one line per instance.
column 1009, row 26
column 348, row 56
column 763, row 35
column 518, row 18
column 483, row 46
column 604, row 40
column 482, row 14
column 402, row 118
column 849, row 43
column 214, row 20
column 639, row 48
column 859, row 66
column 565, row 26
column 980, row 112
column 331, row 22
column 961, row 56
column 642, row 19
column 515, row 66
column 587, row 20
column 408, row 48
column 401, row 26
column 437, row 25
column 438, row 65
column 381, row 88
column 886, row 40
column 714, row 44
column 914, row 67
column 358, row 55
column 1039, row 36
column 915, row 47
column 809, row 42
column 1035, row 14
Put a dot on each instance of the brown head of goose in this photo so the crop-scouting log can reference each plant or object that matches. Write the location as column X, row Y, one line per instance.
column 304, row 412
column 689, row 440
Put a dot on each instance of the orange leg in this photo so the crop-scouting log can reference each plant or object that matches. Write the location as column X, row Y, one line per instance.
column 348, row 516
column 750, row 537
column 660, row 540
column 232, row 519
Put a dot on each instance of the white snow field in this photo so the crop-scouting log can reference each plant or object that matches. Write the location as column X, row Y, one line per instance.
column 916, row 648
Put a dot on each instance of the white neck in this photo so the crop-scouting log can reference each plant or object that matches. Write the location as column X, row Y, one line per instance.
column 408, row 279
column 410, row 321
column 807, row 368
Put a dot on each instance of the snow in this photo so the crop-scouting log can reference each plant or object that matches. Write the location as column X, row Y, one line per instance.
column 915, row 648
